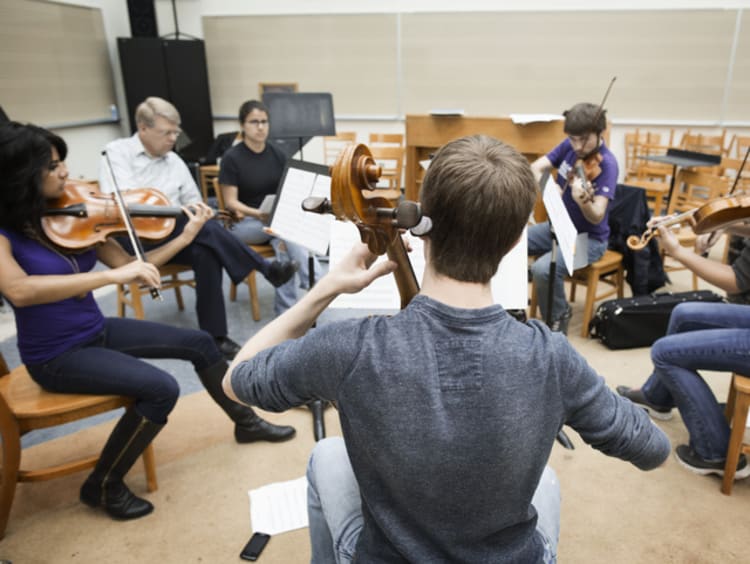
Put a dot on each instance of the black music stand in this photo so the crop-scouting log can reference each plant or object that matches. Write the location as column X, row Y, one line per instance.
column 300, row 115
column 317, row 407
column 683, row 159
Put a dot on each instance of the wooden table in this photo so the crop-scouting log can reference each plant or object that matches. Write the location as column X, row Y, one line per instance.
column 426, row 133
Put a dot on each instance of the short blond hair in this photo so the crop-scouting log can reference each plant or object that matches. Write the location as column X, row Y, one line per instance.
column 151, row 107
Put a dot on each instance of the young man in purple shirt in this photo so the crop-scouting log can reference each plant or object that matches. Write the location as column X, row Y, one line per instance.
column 587, row 205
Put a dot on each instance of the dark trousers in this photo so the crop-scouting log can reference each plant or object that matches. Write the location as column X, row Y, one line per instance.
column 108, row 364
column 213, row 250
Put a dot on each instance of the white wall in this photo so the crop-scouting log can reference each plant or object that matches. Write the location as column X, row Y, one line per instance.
column 86, row 142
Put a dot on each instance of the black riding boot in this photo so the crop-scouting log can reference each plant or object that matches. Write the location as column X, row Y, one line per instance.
column 105, row 487
column 248, row 426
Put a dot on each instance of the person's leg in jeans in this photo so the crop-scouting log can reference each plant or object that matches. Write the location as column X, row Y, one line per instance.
column 334, row 507
column 546, row 501
column 700, row 336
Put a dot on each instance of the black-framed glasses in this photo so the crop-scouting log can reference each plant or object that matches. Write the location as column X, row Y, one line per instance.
column 257, row 122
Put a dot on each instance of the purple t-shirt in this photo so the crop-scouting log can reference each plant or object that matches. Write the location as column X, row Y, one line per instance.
column 48, row 330
column 563, row 158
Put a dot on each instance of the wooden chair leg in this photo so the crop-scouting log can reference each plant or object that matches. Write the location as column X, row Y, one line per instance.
column 178, row 292
column 731, row 399
column 233, row 292
column 533, row 302
column 253, row 289
column 588, row 310
column 121, row 297
column 11, row 462
column 620, row 281
column 735, row 442
column 149, row 463
column 135, row 300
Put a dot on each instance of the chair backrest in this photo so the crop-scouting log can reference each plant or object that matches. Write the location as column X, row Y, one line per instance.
column 645, row 144
column 693, row 189
column 702, row 143
column 396, row 139
column 730, row 167
column 334, row 144
column 738, row 146
column 219, row 193
column 391, row 159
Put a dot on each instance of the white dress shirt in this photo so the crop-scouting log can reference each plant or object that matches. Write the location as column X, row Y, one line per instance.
column 133, row 167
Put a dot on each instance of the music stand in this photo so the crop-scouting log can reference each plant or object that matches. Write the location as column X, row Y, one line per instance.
column 312, row 231
column 299, row 115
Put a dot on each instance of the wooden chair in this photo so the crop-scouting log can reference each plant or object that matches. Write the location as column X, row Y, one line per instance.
column 388, row 151
column 266, row 251
column 608, row 270
column 708, row 144
column 738, row 403
column 738, row 146
column 334, row 144
column 132, row 294
column 207, row 175
column 24, row 406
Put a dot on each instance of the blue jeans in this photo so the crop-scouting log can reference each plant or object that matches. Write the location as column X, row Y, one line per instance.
column 540, row 245
column 706, row 336
column 108, row 365
column 335, row 512
column 250, row 231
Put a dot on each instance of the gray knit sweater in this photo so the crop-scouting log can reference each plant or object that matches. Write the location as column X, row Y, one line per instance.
column 449, row 416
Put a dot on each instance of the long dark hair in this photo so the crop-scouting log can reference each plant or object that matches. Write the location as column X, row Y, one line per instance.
column 25, row 155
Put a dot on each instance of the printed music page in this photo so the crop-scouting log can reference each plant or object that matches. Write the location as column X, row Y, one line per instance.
column 565, row 231
column 509, row 286
column 290, row 222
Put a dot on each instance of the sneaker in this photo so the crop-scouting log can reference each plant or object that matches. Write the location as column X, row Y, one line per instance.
column 637, row 397
column 688, row 458
column 281, row 272
column 561, row 323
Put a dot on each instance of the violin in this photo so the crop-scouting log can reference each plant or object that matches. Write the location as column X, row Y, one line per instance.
column 84, row 217
column 376, row 213
column 587, row 169
column 711, row 216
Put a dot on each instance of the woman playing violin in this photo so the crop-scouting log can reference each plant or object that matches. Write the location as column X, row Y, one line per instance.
column 700, row 336
column 63, row 338
column 582, row 154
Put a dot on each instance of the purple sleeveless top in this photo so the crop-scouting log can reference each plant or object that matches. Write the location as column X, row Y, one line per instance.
column 48, row 330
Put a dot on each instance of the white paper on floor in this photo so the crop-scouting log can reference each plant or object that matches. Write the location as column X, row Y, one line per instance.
column 279, row 507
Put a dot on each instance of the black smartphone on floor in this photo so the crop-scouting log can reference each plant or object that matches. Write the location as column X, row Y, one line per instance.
column 254, row 546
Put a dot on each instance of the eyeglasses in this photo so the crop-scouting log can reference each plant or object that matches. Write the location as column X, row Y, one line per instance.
column 167, row 132
column 52, row 166
column 257, row 122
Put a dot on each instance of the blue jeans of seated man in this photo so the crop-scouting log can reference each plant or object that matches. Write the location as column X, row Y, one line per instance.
column 540, row 245
column 250, row 231
column 700, row 336
column 110, row 364
column 334, row 507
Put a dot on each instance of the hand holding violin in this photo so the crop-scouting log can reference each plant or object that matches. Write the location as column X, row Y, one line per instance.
column 198, row 214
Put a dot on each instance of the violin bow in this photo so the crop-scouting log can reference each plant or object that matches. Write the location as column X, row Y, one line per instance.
column 135, row 242
column 739, row 173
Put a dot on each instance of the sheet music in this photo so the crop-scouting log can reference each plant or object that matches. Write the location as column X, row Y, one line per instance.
column 291, row 223
column 509, row 286
column 279, row 507
column 562, row 224
column 523, row 119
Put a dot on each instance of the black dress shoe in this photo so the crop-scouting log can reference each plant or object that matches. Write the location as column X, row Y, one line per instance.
column 260, row 430
column 227, row 347
column 281, row 272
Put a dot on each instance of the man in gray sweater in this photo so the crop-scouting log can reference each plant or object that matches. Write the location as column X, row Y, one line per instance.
column 450, row 408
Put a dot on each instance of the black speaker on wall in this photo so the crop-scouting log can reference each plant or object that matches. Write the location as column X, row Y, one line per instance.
column 142, row 18
column 173, row 69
